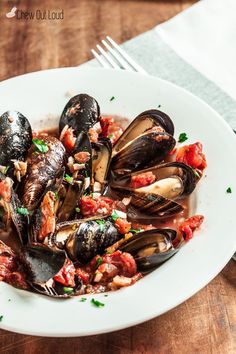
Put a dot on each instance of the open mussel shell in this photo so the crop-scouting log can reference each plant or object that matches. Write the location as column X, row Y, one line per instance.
column 41, row 264
column 91, row 238
column 80, row 113
column 15, row 137
column 41, row 169
column 151, row 248
column 102, row 151
column 142, row 152
column 9, row 209
column 142, row 123
column 146, row 206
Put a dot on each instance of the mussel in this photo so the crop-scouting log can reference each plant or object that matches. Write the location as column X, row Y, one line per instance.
column 151, row 248
column 80, row 113
column 102, row 151
column 41, row 169
column 15, row 137
column 144, row 122
column 11, row 209
column 172, row 181
column 42, row 264
column 144, row 151
column 83, row 239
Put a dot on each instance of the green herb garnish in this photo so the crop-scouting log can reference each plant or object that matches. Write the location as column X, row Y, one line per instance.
column 114, row 215
column 22, row 211
column 77, row 210
column 9, row 300
column 69, row 179
column 99, row 261
column 159, row 106
column 40, row 145
column 97, row 303
column 182, row 137
column 57, row 196
column 83, row 299
column 229, row 190
column 196, row 174
column 109, row 251
column 1, row 317
column 101, row 224
column 106, row 295
column 110, row 136
column 135, row 230
column 112, row 98
column 67, row 290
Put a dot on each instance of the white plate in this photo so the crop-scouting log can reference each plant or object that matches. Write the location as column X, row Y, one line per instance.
column 38, row 94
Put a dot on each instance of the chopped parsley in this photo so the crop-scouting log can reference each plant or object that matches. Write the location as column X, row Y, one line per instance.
column 101, row 224
column 69, row 179
column 159, row 106
column 22, row 211
column 114, row 215
column 112, row 98
column 9, row 300
column 229, row 190
column 109, row 251
column 67, row 290
column 99, row 261
column 110, row 136
column 77, row 210
column 57, row 196
column 97, row 303
column 83, row 299
column 182, row 137
column 106, row 295
column 40, row 145
column 1, row 317
column 135, row 230
column 196, row 174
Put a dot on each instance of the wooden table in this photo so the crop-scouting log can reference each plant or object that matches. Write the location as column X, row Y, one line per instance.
column 205, row 323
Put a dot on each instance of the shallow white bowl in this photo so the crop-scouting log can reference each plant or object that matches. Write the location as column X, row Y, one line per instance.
column 41, row 97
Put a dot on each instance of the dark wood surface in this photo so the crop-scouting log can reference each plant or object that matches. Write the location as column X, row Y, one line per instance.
column 204, row 324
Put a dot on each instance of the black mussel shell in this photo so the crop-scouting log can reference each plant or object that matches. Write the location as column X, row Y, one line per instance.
column 144, row 151
column 102, row 151
column 146, row 206
column 15, row 137
column 10, row 210
column 91, row 238
column 151, row 248
column 41, row 262
column 71, row 201
column 80, row 113
column 141, row 124
column 41, row 169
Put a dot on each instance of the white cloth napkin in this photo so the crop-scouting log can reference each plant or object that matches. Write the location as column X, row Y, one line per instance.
column 204, row 35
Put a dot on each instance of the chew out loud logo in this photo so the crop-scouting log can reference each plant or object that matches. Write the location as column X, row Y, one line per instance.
column 35, row 15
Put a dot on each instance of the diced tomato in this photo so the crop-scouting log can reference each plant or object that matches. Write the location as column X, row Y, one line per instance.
column 96, row 206
column 82, row 156
column 189, row 225
column 123, row 261
column 48, row 215
column 84, row 276
column 93, row 135
column 122, row 225
column 5, row 190
column 69, row 139
column 106, row 122
column 192, row 155
column 142, row 179
column 66, row 275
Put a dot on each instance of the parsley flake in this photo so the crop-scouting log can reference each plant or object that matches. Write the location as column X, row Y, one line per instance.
column 40, row 145
column 101, row 223
column 6, row 170
column 97, row 303
column 1, row 317
column 135, row 230
column 114, row 215
column 99, row 261
column 22, row 211
column 112, row 98
column 159, row 106
column 229, row 190
column 67, row 290
column 69, row 179
column 182, row 137
column 110, row 136
column 77, row 210
column 83, row 299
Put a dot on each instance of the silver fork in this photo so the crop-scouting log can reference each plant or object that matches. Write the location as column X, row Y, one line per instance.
column 115, row 57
